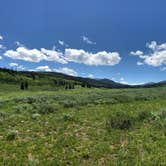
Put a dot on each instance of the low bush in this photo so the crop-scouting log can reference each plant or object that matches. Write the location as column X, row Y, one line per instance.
column 162, row 114
column 11, row 135
column 144, row 115
column 46, row 109
column 2, row 114
column 68, row 104
column 35, row 116
column 67, row 118
column 119, row 120
column 22, row 107
column 160, row 120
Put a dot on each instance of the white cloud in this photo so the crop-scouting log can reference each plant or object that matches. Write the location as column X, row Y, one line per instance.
column 113, row 78
column 100, row 58
column 13, row 64
column 2, row 47
column 87, row 40
column 62, row 43
column 124, row 82
column 137, row 53
column 67, row 71
column 69, row 55
column 0, row 57
column 163, row 69
column 19, row 44
column 17, row 66
column 139, row 63
column 152, row 45
column 25, row 54
column 1, row 37
column 35, row 55
column 43, row 68
column 90, row 76
column 156, row 56
column 121, row 79
column 21, row 67
column 53, row 55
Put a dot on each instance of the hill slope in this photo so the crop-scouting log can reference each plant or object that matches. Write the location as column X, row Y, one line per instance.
column 51, row 78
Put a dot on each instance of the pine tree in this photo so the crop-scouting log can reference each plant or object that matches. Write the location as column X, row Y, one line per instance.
column 22, row 86
column 26, row 85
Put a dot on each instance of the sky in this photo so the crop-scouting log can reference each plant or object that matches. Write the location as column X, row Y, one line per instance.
column 120, row 40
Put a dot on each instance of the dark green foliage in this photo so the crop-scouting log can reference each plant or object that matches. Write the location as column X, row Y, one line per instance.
column 119, row 120
column 33, row 76
column 22, row 86
column 160, row 120
column 35, row 116
column 11, row 135
column 2, row 114
column 67, row 118
column 144, row 115
column 68, row 104
column 162, row 114
column 26, row 85
column 46, row 109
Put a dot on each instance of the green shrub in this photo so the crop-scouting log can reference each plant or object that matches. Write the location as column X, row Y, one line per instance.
column 1, row 121
column 35, row 116
column 11, row 135
column 162, row 114
column 144, row 115
column 160, row 120
column 46, row 109
column 67, row 118
column 22, row 107
column 160, row 124
column 2, row 114
column 119, row 120
column 68, row 104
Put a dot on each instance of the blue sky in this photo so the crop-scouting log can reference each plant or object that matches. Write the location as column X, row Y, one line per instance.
column 120, row 40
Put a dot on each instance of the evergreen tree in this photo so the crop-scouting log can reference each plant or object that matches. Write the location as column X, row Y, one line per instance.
column 26, row 85
column 22, row 86
column 66, row 87
column 33, row 76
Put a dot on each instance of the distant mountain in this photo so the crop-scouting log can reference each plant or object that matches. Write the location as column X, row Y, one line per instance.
column 11, row 76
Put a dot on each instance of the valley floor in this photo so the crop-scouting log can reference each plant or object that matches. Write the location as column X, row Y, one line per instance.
column 83, row 127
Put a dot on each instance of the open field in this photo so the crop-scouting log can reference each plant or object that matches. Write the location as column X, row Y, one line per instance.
column 82, row 126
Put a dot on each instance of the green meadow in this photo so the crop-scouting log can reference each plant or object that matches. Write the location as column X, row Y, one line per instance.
column 82, row 126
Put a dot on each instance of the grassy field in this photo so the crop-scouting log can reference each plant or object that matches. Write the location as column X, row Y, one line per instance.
column 82, row 126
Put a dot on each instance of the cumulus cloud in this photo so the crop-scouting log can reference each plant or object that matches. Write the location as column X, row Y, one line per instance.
column 67, row 71
column 13, row 64
column 139, row 63
column 121, row 79
column 17, row 66
column 69, row 55
column 163, row 69
column 19, row 44
column 43, row 68
column 156, row 55
column 137, row 53
column 100, row 58
column 87, row 40
column 1, row 37
column 62, row 43
column 53, row 55
column 35, row 55
column 90, row 76
column 25, row 54
column 2, row 47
